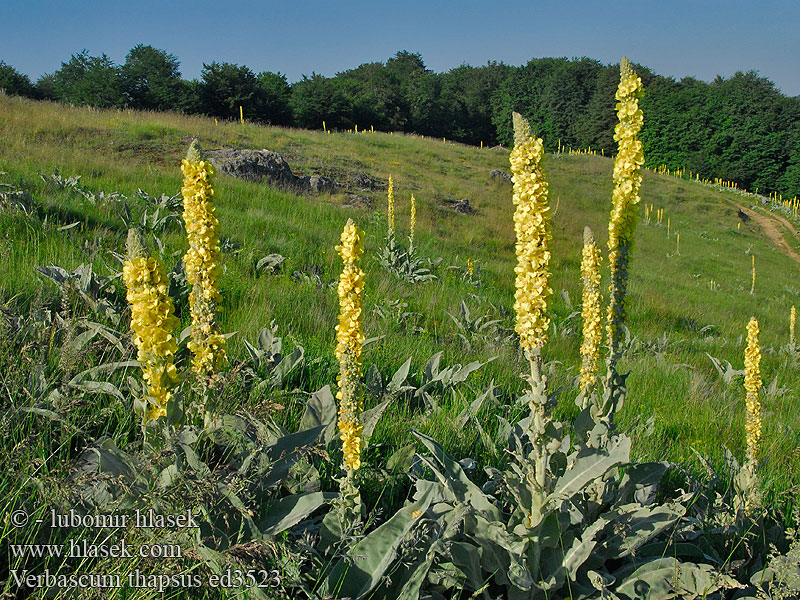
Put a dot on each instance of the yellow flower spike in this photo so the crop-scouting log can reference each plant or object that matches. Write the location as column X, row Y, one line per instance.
column 152, row 321
column 413, row 223
column 752, row 384
column 792, row 319
column 390, row 205
column 532, row 227
column 591, row 312
column 625, row 198
column 753, row 284
column 202, row 262
column 470, row 267
column 349, row 344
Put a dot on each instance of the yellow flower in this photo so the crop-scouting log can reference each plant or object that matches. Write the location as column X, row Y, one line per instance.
column 625, row 197
column 202, row 261
column 591, row 313
column 532, row 227
column 752, row 384
column 792, row 318
column 349, row 344
column 470, row 267
column 152, row 322
column 413, row 217
column 390, row 202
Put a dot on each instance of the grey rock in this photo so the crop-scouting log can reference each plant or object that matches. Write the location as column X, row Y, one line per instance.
column 252, row 165
column 317, row 184
column 501, row 175
column 269, row 167
column 461, row 206
column 365, row 182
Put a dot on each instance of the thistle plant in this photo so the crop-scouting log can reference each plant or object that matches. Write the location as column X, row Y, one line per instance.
column 202, row 262
column 591, row 313
column 350, row 341
column 153, row 322
column 532, row 227
column 625, row 200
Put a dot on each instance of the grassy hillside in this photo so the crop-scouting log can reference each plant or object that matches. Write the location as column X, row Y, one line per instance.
column 677, row 316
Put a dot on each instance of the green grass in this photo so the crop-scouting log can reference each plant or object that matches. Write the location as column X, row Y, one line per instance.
column 669, row 292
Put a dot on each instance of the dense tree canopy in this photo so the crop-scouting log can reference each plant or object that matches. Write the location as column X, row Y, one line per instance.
column 741, row 128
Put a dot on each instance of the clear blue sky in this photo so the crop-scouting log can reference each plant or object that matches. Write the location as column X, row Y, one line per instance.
column 676, row 38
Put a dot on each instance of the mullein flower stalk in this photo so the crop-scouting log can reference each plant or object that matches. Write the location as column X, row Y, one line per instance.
column 390, row 206
column 591, row 313
column 625, row 200
column 792, row 319
column 413, row 221
column 153, row 322
column 349, row 344
column 202, row 263
column 532, row 227
column 748, row 497
column 752, row 385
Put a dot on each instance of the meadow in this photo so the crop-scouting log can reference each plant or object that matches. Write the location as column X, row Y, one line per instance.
column 688, row 301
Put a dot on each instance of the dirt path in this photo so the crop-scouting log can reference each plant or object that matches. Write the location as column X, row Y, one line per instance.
column 771, row 225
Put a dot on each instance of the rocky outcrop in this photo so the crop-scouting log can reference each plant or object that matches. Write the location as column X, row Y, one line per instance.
column 462, row 206
column 501, row 175
column 269, row 167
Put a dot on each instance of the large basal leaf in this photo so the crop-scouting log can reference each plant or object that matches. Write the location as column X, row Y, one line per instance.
column 367, row 561
column 590, row 464
column 454, row 478
column 321, row 412
column 288, row 511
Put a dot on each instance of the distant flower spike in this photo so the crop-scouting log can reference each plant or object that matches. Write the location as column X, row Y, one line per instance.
column 390, row 204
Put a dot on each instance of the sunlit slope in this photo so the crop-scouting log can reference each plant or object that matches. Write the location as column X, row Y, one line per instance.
column 683, row 304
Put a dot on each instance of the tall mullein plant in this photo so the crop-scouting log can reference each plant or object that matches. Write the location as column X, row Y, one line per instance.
column 153, row 323
column 349, row 345
column 532, row 227
column 746, row 481
column 591, row 313
column 202, row 263
column 625, row 201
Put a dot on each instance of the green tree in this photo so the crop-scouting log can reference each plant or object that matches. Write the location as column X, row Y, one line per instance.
column 316, row 99
column 224, row 87
column 85, row 79
column 150, row 79
column 14, row 83
column 276, row 94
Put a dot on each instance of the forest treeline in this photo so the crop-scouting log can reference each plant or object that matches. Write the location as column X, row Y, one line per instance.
column 741, row 129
